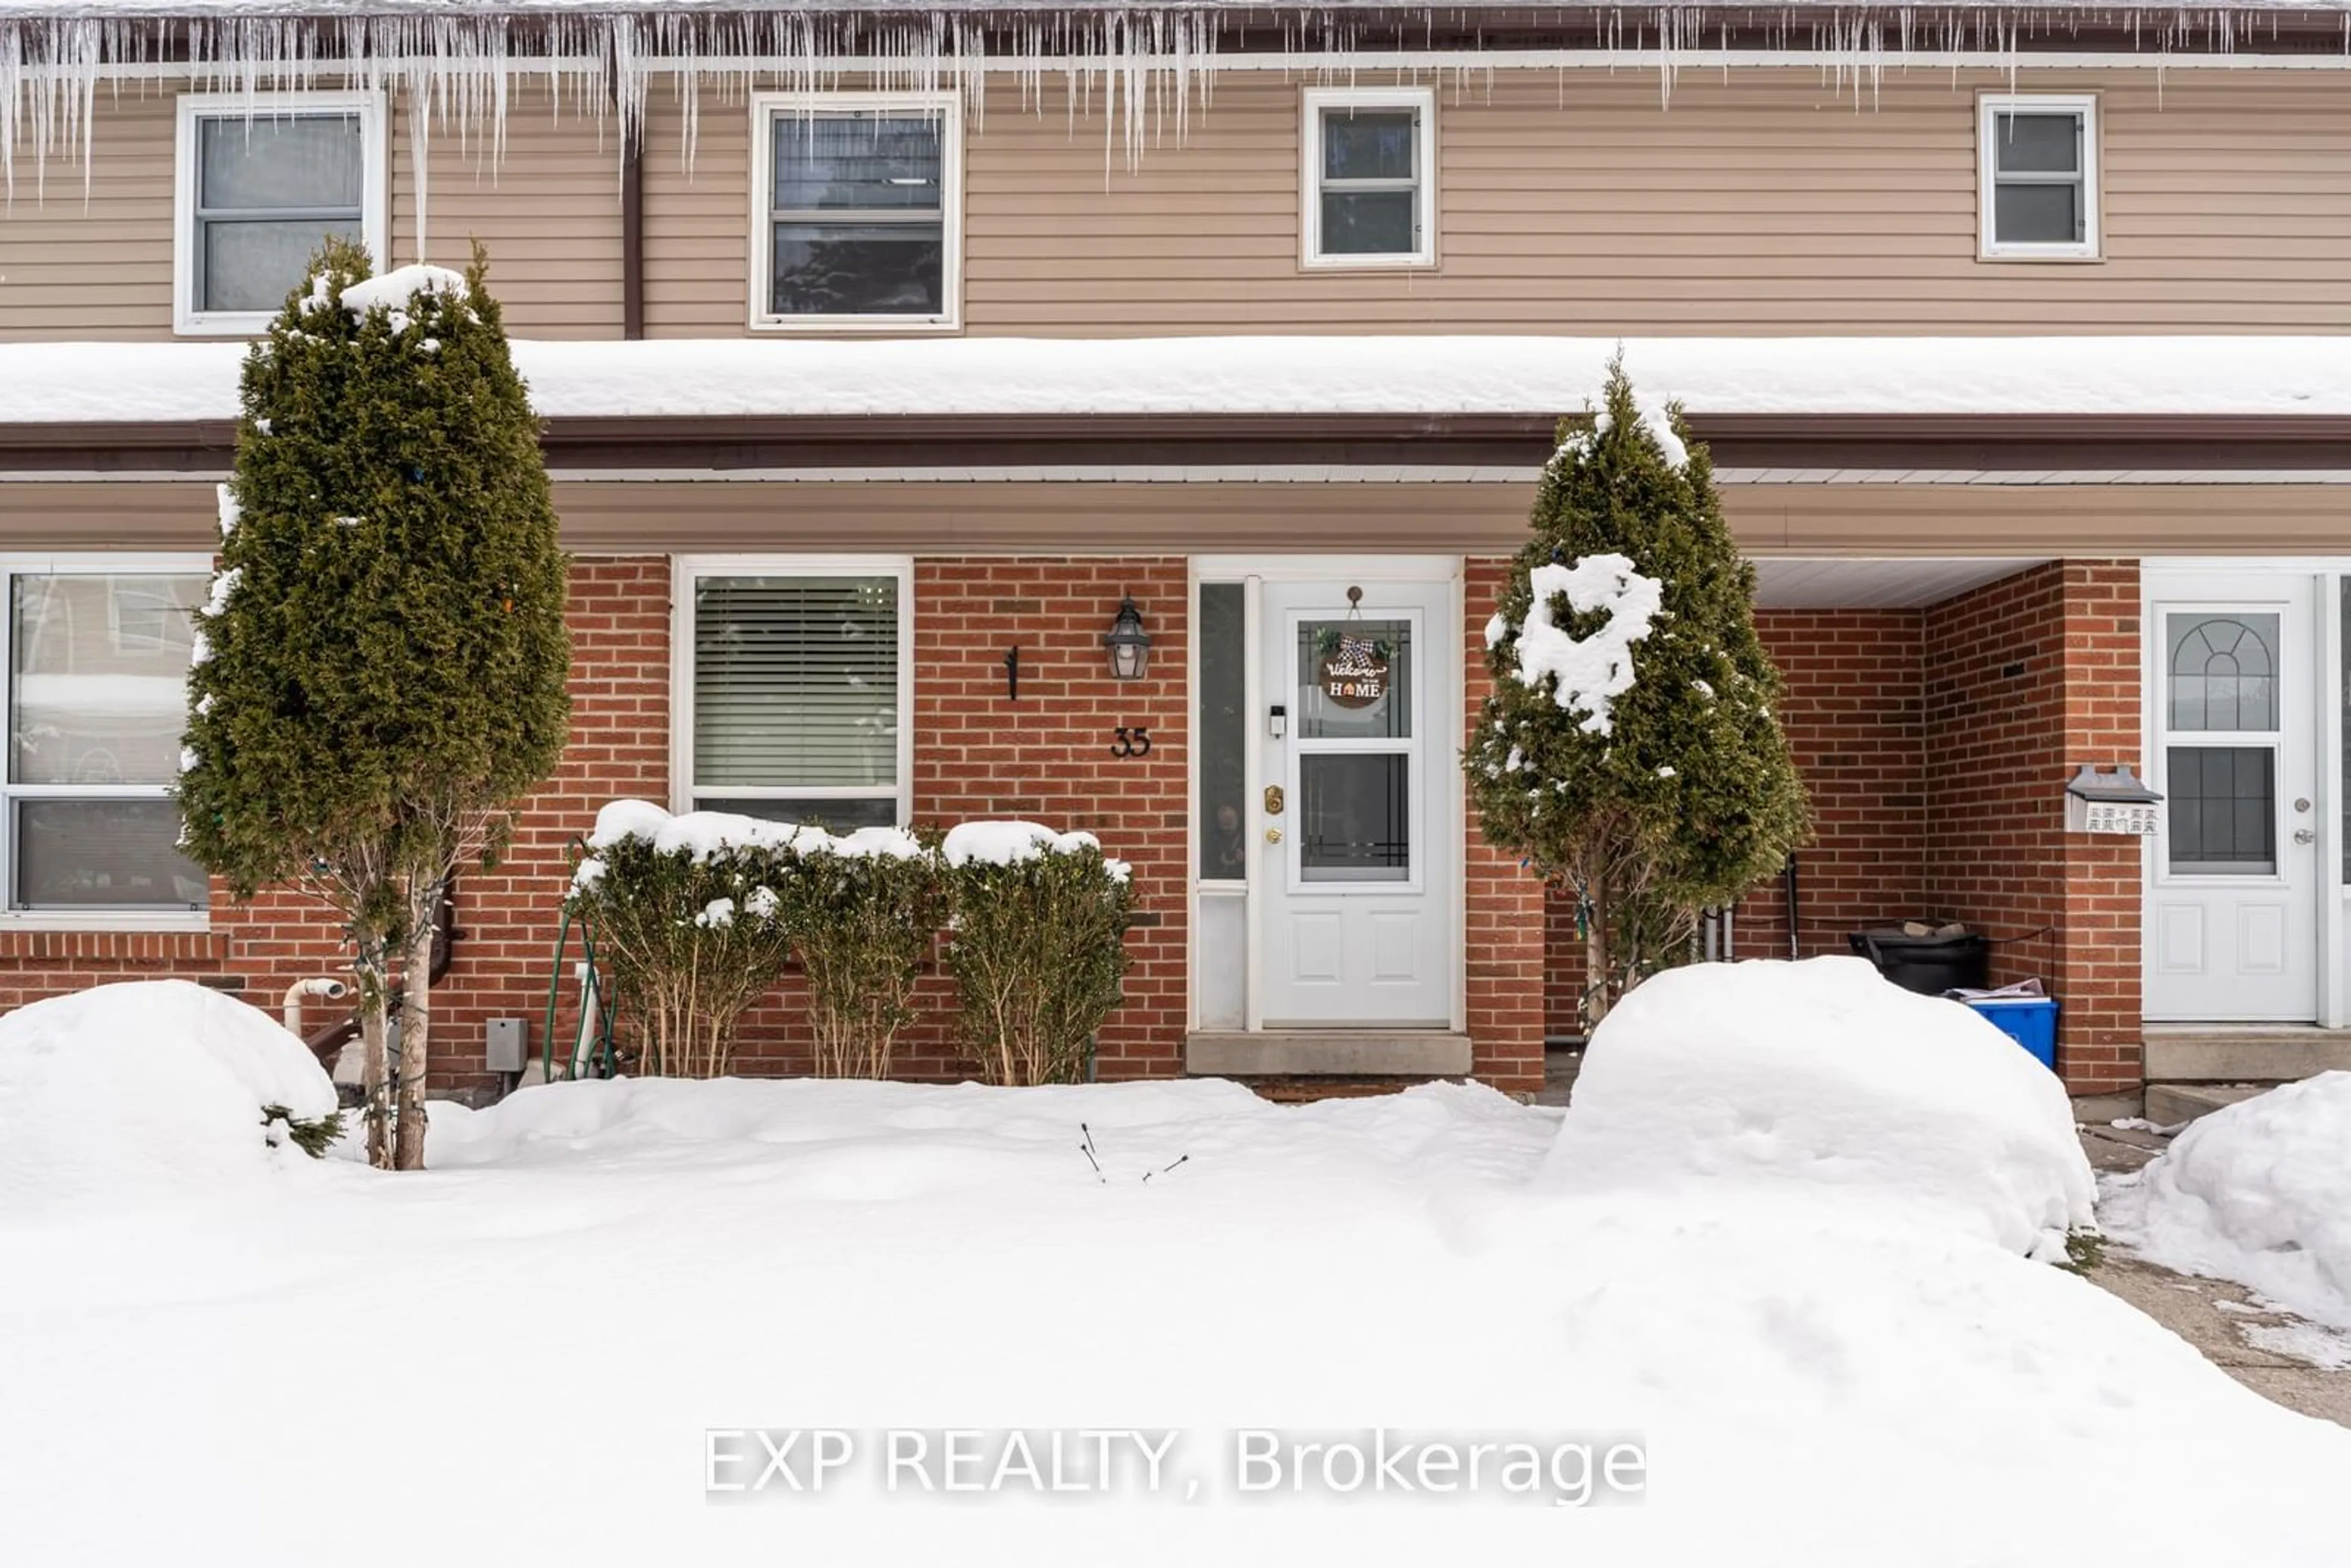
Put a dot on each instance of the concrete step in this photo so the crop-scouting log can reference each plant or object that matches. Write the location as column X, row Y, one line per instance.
column 2252, row 1054
column 2169, row 1103
column 1285, row 1054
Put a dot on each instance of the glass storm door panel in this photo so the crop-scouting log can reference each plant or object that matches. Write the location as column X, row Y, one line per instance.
column 1359, row 851
column 2231, row 915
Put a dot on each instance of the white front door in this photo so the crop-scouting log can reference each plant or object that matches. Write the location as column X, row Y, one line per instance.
column 2232, row 884
column 1359, row 860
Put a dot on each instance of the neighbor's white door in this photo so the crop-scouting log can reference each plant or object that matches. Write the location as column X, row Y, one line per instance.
column 1359, row 863
column 2232, row 877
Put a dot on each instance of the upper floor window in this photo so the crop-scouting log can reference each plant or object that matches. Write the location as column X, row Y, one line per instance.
column 1369, row 177
column 858, row 217
column 795, row 689
column 263, row 181
column 2038, row 184
column 97, row 671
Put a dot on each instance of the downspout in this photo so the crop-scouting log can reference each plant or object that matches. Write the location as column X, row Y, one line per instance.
column 632, row 233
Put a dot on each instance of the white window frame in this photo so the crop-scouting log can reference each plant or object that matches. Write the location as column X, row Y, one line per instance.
column 766, row 107
column 128, row 920
column 1314, row 103
column 1989, row 246
column 375, row 223
column 684, row 570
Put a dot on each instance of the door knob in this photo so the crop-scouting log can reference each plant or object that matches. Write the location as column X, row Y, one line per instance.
column 1273, row 835
column 2304, row 836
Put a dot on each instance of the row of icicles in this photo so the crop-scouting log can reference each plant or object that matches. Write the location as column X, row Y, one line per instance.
column 1146, row 68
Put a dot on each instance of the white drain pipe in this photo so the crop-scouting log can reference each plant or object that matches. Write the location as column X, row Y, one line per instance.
column 290, row 1009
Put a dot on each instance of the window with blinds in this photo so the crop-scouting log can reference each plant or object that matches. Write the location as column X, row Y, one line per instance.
column 798, row 693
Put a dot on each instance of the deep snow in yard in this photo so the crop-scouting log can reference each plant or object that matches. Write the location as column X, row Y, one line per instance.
column 514, row 1358
column 2260, row 1193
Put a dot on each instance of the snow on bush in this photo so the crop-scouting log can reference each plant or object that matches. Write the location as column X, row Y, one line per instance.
column 2258, row 1192
column 1009, row 843
column 128, row 1092
column 1590, row 672
column 1821, row 1075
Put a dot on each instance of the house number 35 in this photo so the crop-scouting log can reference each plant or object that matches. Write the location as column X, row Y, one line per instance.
column 1133, row 740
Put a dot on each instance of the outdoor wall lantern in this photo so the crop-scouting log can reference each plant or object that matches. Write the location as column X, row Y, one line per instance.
column 1129, row 644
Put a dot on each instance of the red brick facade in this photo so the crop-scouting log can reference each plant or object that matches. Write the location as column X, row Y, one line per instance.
column 1504, row 934
column 1937, row 743
column 1047, row 755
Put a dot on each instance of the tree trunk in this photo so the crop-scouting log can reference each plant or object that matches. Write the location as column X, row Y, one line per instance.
column 1595, row 953
column 415, row 1024
column 376, row 1074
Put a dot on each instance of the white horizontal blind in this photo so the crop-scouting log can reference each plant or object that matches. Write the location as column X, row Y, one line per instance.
column 796, row 684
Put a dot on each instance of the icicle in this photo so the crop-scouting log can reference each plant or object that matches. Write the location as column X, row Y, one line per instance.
column 456, row 72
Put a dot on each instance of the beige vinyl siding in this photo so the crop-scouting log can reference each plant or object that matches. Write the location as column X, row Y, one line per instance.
column 952, row 518
column 549, row 213
column 1767, row 202
column 95, row 261
column 1771, row 203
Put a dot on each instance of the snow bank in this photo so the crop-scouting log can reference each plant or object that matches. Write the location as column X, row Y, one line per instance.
column 2258, row 1192
column 1745, row 1078
column 614, row 1269
column 1588, row 673
column 130, row 1092
column 2277, row 375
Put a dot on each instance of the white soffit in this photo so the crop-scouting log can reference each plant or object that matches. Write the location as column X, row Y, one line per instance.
column 1784, row 582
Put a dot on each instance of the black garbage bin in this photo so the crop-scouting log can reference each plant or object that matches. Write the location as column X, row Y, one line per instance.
column 1929, row 964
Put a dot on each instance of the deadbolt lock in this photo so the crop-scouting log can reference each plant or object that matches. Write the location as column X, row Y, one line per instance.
column 1274, row 800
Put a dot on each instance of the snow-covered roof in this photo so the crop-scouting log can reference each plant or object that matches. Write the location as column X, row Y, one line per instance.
column 52, row 383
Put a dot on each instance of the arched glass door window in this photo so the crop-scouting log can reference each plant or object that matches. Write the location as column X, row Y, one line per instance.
column 2224, row 673
column 2220, row 686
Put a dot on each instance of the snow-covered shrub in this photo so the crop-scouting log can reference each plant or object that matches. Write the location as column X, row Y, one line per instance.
column 687, row 912
column 1822, row 1077
column 147, row 1088
column 863, row 912
column 1037, row 947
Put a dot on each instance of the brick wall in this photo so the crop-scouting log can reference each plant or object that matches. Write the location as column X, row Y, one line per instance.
column 1047, row 755
column 1505, row 932
column 38, row 964
column 1853, row 716
column 2028, row 677
column 506, row 918
column 1936, row 744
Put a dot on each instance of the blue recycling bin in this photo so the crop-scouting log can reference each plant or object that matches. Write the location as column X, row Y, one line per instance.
column 2031, row 1021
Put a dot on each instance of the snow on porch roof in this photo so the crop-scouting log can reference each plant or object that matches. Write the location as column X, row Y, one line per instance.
column 142, row 383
